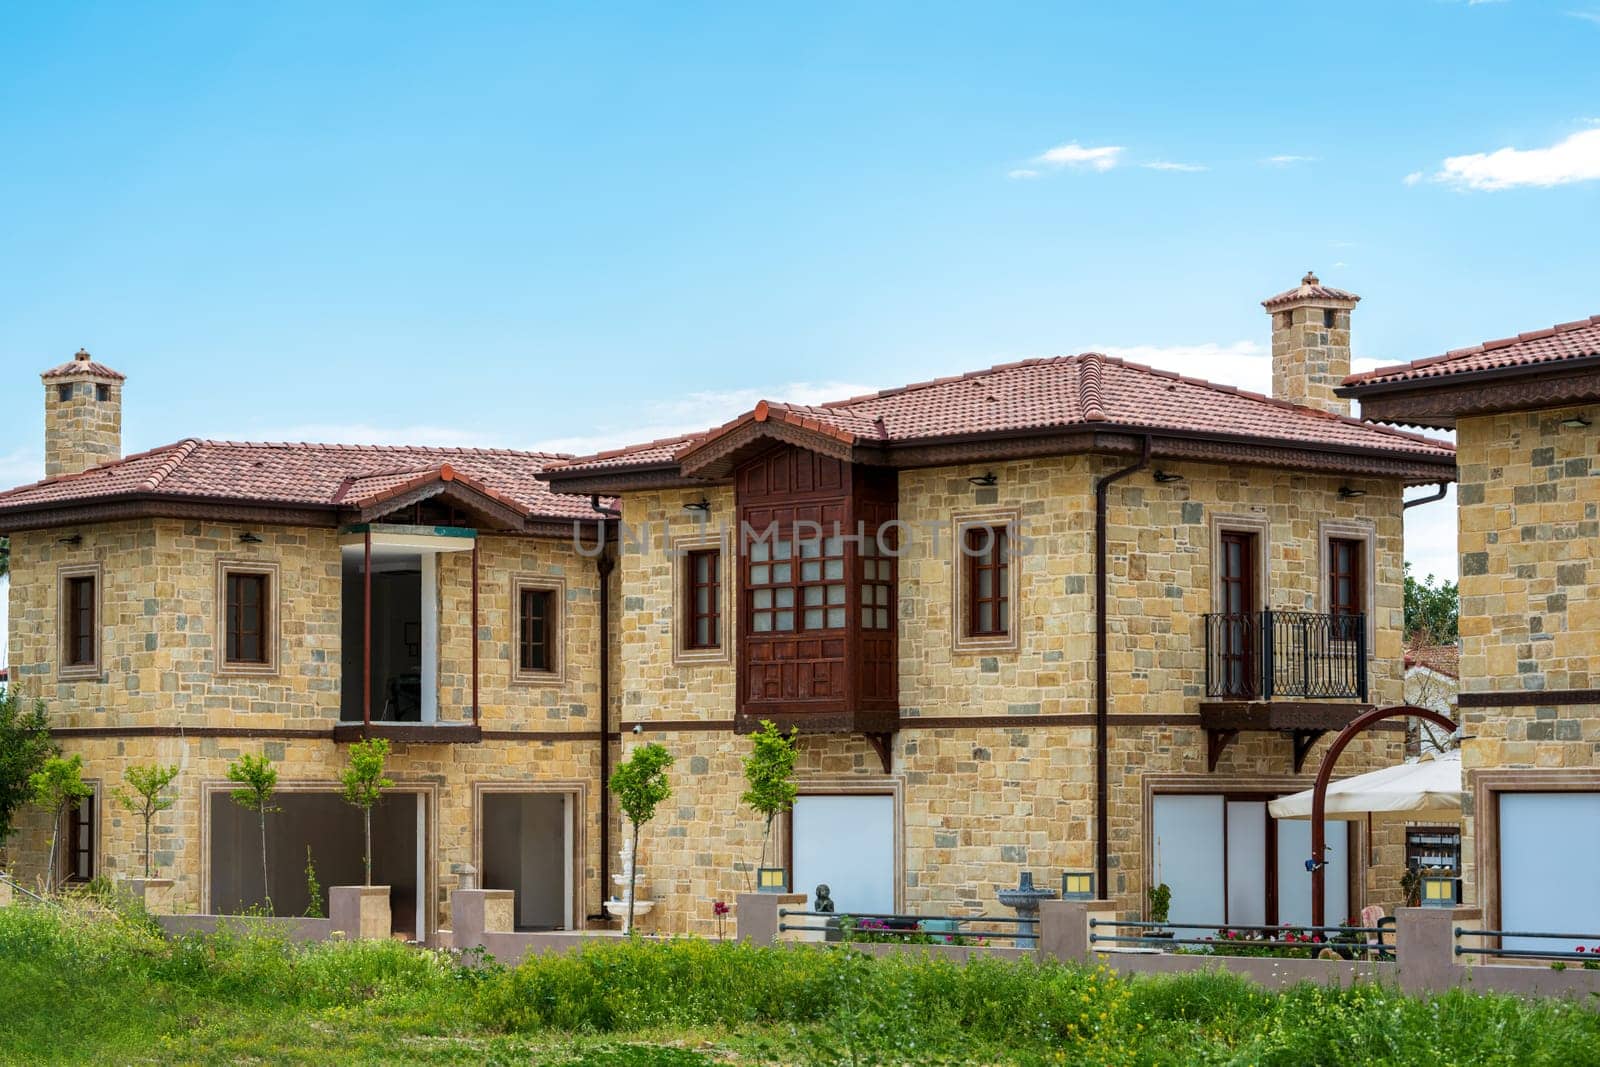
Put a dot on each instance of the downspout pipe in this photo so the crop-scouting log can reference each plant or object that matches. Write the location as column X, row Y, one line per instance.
column 603, row 566
column 1102, row 703
column 1444, row 487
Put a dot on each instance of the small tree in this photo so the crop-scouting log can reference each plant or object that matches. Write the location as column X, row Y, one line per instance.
column 24, row 746
column 57, row 786
column 641, row 785
column 257, row 778
column 364, row 783
column 144, row 797
column 769, row 771
column 1431, row 609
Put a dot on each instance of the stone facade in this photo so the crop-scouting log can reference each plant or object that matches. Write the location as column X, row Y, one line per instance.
column 1530, row 608
column 82, row 421
column 978, row 804
column 159, row 677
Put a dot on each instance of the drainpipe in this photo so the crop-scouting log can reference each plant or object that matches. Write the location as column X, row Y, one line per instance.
column 603, row 565
column 1444, row 487
column 1101, row 700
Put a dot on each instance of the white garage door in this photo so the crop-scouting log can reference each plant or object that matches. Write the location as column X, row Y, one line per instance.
column 1550, row 867
column 847, row 843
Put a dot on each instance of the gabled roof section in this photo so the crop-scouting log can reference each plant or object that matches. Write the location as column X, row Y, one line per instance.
column 353, row 479
column 1538, row 370
column 1037, row 397
column 1538, row 348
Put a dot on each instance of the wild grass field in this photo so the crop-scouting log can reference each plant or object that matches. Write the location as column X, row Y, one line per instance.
column 83, row 984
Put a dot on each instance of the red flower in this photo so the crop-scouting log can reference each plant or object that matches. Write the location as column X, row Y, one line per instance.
column 1580, row 948
column 720, row 908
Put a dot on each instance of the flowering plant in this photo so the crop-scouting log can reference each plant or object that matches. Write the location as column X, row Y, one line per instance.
column 720, row 909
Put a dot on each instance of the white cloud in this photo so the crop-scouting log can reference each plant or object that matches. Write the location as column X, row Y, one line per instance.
column 1187, row 168
column 1246, row 364
column 667, row 417
column 1022, row 173
column 21, row 467
column 1413, row 178
column 1586, row 16
column 1575, row 159
column 1287, row 161
column 1075, row 155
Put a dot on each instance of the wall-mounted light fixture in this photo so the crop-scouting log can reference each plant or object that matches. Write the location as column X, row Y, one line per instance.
column 248, row 538
column 1575, row 422
column 772, row 880
column 74, row 540
column 1167, row 477
column 1348, row 493
column 988, row 479
column 702, row 505
column 1077, row 885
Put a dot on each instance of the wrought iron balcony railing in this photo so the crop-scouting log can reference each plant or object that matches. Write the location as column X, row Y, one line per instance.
column 1267, row 654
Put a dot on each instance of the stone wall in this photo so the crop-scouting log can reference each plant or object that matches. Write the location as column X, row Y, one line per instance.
column 81, row 430
column 1530, row 599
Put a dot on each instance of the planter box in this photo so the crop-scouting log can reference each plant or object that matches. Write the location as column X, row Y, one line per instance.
column 361, row 911
column 154, row 893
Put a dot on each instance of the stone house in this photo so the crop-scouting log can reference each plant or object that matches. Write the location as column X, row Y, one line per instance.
column 1071, row 614
column 206, row 599
column 1524, row 413
column 1068, row 614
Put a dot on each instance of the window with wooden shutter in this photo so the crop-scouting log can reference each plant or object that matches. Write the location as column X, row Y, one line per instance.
column 703, row 599
column 80, row 613
column 987, row 551
column 247, row 618
column 1345, row 585
column 538, row 606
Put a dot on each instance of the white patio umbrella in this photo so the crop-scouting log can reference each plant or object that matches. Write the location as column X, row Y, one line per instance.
column 1428, row 788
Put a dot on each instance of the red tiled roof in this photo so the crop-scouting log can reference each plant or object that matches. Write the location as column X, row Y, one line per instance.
column 1442, row 659
column 1310, row 288
column 1043, row 395
column 305, row 474
column 83, row 363
column 1570, row 340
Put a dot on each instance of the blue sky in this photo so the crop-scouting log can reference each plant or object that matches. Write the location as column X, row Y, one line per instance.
column 572, row 227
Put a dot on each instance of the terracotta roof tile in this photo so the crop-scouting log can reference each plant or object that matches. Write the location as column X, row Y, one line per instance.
column 1557, row 344
column 1443, row 659
column 1045, row 395
column 1310, row 288
column 304, row 474
column 83, row 363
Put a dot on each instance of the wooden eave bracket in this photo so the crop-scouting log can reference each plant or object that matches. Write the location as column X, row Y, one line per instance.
column 1303, row 740
column 883, row 745
column 1217, row 742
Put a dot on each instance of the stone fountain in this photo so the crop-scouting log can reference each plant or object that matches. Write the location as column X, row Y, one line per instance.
column 1024, row 900
column 617, row 907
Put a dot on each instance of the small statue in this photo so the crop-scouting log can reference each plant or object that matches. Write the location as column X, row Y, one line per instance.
column 824, row 901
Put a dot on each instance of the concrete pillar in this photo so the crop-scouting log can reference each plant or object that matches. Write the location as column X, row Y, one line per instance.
column 758, row 919
column 1064, row 929
column 154, row 893
column 474, row 912
column 1425, row 946
column 361, row 911
column 5, row 892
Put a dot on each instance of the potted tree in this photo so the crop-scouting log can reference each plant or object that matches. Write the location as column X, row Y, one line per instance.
column 58, row 786
column 1160, row 897
column 364, row 783
column 257, row 780
column 640, row 785
column 769, row 773
column 145, row 796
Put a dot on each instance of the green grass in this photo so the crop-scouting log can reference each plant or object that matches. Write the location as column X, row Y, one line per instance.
column 82, row 984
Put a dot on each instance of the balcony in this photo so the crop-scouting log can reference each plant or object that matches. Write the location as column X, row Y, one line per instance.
column 1282, row 671
column 1295, row 654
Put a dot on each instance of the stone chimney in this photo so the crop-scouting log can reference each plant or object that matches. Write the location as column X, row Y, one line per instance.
column 82, row 415
column 1311, row 344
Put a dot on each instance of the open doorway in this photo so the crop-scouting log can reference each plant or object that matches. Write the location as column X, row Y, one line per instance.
column 405, row 603
column 527, row 848
column 319, row 827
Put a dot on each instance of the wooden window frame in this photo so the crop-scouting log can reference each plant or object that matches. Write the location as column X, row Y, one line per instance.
column 557, row 625
column 90, row 670
column 962, row 583
column 713, row 586
column 1261, row 526
column 1331, row 530
column 684, row 651
column 73, row 815
column 269, row 634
